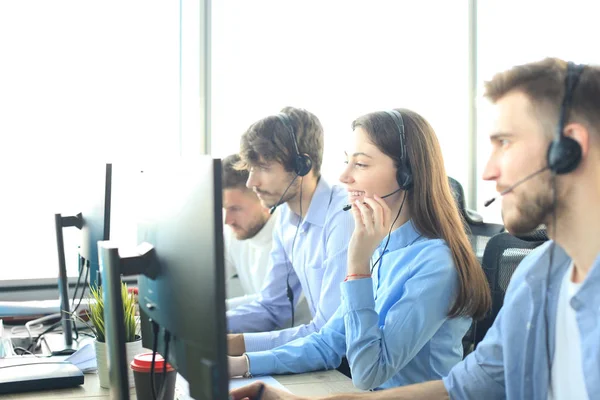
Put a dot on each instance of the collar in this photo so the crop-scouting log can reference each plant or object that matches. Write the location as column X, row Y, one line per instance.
column 319, row 205
column 589, row 287
column 403, row 236
column 560, row 264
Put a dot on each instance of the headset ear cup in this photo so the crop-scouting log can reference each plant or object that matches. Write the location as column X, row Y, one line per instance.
column 303, row 164
column 404, row 179
column 564, row 155
column 408, row 182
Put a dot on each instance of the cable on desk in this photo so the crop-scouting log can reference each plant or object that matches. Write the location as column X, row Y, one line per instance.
column 34, row 344
column 155, row 329
column 25, row 351
column 81, row 267
column 85, row 284
column 163, row 386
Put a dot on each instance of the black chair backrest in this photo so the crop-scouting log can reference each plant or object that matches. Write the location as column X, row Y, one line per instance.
column 478, row 233
column 503, row 253
column 459, row 194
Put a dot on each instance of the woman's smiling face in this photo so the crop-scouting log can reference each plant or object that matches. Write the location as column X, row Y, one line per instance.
column 368, row 171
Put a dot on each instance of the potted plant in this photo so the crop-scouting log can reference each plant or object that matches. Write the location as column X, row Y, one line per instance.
column 133, row 345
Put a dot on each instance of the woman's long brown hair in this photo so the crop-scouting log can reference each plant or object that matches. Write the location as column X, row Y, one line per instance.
column 432, row 207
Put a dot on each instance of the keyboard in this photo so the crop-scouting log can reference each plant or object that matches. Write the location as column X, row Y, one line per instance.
column 25, row 374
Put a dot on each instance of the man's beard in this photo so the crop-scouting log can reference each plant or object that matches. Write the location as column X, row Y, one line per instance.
column 252, row 230
column 533, row 207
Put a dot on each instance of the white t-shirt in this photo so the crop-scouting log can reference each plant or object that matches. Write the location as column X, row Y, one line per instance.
column 567, row 368
column 249, row 259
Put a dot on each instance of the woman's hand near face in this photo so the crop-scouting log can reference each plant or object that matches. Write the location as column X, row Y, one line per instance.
column 371, row 224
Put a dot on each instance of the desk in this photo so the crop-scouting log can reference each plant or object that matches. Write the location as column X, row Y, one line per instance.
column 317, row 383
column 309, row 384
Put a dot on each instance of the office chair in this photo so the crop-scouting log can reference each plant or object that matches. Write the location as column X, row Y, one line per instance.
column 479, row 232
column 502, row 255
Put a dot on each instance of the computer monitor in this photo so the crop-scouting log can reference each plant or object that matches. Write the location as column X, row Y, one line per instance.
column 182, row 286
column 96, row 211
column 94, row 201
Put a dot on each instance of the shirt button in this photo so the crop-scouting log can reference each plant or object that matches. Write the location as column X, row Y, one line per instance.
column 576, row 304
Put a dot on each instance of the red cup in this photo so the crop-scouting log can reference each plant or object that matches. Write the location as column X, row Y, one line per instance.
column 142, row 366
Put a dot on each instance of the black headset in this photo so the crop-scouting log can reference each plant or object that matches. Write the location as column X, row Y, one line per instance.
column 564, row 153
column 302, row 162
column 564, row 156
column 302, row 166
column 403, row 173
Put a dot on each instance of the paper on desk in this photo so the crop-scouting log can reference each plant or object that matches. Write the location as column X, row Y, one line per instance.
column 6, row 349
column 182, row 387
column 84, row 358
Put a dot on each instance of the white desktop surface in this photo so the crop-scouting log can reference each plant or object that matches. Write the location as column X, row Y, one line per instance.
column 319, row 383
column 309, row 384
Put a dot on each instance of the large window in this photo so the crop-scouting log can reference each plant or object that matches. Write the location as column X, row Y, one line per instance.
column 86, row 83
column 340, row 59
column 512, row 32
column 81, row 83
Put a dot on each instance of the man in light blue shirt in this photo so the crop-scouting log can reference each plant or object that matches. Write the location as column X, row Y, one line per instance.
column 546, row 140
column 283, row 154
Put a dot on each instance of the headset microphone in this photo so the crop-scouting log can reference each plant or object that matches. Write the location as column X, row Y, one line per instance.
column 272, row 210
column 349, row 206
column 511, row 188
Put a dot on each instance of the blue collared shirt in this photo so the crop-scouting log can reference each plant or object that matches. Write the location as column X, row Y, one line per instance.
column 511, row 362
column 393, row 327
column 318, row 267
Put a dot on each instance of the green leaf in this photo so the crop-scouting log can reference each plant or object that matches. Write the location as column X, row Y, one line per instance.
column 96, row 314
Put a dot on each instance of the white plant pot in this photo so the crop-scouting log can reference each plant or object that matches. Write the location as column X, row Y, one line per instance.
column 131, row 349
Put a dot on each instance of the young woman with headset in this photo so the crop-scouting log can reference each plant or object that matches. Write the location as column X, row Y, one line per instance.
column 413, row 282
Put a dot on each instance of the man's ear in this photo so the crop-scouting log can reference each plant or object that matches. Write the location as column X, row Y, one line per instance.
column 581, row 135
